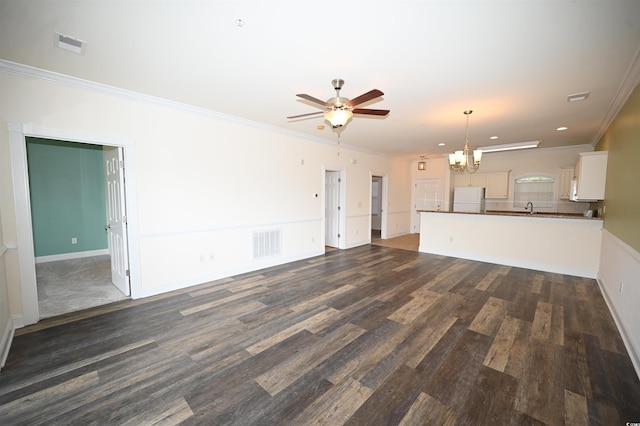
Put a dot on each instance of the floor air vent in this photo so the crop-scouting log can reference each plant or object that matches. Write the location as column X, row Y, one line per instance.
column 267, row 243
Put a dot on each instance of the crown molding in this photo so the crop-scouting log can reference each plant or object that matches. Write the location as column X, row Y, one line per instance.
column 627, row 86
column 23, row 70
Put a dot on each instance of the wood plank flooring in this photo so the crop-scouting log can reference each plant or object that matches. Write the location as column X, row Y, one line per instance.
column 367, row 336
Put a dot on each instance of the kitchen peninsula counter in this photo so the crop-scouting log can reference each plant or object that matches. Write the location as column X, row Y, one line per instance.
column 522, row 214
column 562, row 243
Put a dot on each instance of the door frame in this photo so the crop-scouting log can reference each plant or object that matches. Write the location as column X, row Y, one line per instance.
column 342, row 241
column 383, row 203
column 22, row 207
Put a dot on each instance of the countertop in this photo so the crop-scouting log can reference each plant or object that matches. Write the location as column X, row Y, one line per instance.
column 578, row 216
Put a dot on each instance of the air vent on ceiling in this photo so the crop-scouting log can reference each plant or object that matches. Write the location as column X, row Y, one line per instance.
column 578, row 97
column 69, row 43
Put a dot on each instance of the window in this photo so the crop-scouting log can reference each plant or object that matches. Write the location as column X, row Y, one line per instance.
column 538, row 190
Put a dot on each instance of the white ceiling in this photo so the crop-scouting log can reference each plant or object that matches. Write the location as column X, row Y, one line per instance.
column 512, row 62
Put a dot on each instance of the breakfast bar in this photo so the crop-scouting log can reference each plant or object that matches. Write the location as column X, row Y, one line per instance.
column 561, row 243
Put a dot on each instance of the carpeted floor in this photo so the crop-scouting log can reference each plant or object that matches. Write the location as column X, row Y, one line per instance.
column 72, row 285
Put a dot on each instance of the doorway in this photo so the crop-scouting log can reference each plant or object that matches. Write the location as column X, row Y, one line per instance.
column 18, row 134
column 376, row 207
column 334, row 193
column 428, row 195
column 74, row 192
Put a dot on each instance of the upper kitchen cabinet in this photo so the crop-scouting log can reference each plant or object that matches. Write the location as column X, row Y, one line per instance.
column 497, row 185
column 590, row 174
column 477, row 180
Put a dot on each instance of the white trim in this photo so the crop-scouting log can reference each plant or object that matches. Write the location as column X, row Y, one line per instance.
column 5, row 343
column 69, row 256
column 17, row 147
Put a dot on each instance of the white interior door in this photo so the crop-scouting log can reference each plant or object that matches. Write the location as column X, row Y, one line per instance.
column 332, row 208
column 116, row 217
column 428, row 195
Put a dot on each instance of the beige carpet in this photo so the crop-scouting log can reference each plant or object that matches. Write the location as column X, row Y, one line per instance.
column 72, row 285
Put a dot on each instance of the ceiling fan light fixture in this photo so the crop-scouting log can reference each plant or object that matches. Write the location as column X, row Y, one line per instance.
column 338, row 117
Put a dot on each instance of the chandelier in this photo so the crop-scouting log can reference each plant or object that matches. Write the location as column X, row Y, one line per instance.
column 464, row 161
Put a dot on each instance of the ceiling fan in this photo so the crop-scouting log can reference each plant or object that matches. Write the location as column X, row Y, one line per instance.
column 338, row 110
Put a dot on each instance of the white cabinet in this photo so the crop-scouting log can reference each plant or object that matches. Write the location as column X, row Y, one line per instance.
column 479, row 180
column 476, row 180
column 497, row 185
column 461, row 180
column 566, row 176
column 590, row 175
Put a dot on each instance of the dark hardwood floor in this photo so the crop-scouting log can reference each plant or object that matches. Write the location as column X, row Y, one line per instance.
column 367, row 336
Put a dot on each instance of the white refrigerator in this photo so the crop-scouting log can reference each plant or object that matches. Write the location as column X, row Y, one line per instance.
column 468, row 200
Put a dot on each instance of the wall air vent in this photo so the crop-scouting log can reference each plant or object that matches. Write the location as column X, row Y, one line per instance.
column 267, row 243
column 69, row 43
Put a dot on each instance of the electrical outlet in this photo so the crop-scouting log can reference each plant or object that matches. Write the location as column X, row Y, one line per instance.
column 74, row 240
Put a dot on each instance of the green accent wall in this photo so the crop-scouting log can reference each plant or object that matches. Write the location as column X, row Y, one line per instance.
column 622, row 192
column 66, row 182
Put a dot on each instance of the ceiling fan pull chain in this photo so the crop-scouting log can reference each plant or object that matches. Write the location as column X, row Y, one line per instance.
column 338, row 144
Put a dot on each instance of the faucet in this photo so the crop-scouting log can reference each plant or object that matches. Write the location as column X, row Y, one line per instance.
column 527, row 206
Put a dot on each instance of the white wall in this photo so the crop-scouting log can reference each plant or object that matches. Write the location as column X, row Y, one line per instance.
column 559, row 245
column 6, row 322
column 204, row 182
column 619, row 279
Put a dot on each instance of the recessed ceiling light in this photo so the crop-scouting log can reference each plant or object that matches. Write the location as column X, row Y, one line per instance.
column 494, row 137
column 441, row 144
column 578, row 97
column 560, row 129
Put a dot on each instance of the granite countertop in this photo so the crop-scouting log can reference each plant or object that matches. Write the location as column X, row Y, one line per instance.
column 523, row 214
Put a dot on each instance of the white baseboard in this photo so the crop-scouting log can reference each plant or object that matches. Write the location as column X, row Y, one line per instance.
column 5, row 343
column 68, row 256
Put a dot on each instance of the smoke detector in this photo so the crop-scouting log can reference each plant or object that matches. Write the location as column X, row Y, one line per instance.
column 69, row 43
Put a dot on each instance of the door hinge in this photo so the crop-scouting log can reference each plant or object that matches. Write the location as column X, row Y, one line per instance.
column 121, row 164
column 339, row 207
column 124, row 219
column 338, row 235
column 126, row 273
column 339, row 180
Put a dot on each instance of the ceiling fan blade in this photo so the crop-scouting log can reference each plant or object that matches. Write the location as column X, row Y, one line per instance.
column 370, row 111
column 305, row 115
column 372, row 94
column 312, row 99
